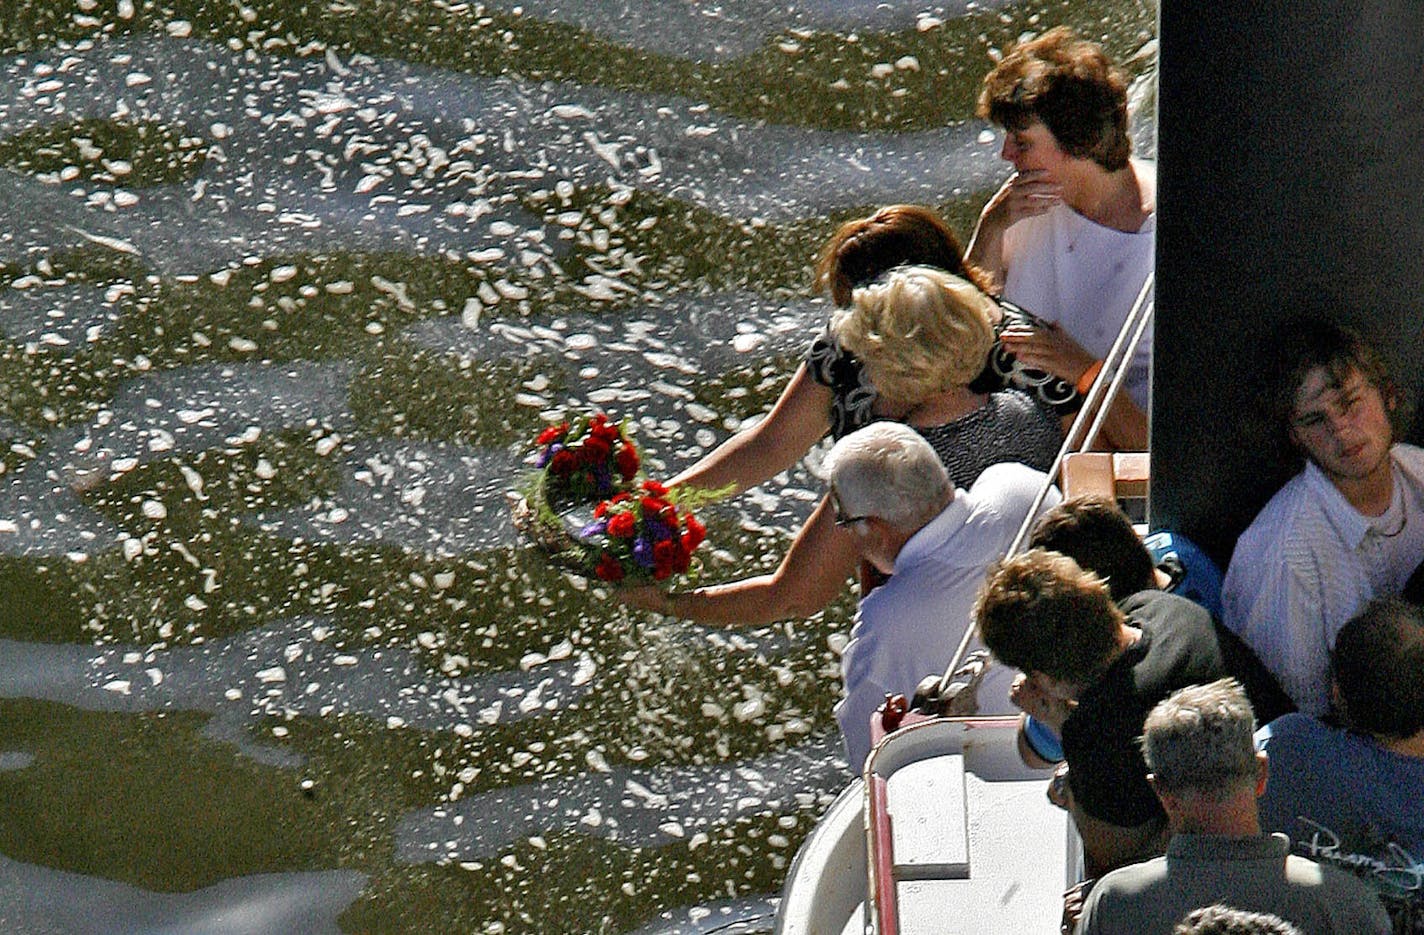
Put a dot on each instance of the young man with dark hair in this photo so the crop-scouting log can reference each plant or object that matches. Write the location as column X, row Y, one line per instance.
column 1093, row 669
column 1207, row 774
column 1347, row 528
column 1096, row 534
column 1354, row 795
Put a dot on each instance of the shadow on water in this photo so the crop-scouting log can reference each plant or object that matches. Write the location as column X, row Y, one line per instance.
column 285, row 290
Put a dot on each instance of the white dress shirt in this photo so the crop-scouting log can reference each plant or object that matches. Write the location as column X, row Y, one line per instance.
column 1309, row 561
column 910, row 626
column 1067, row 269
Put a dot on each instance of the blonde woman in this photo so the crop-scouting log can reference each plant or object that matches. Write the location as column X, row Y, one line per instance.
column 922, row 336
column 829, row 393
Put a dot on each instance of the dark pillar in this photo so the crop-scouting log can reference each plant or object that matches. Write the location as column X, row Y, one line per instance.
column 1291, row 147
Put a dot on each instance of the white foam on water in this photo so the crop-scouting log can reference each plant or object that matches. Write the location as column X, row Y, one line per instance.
column 252, row 196
column 255, row 674
column 635, row 807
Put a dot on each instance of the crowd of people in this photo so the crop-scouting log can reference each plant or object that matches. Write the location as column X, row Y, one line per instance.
column 1223, row 748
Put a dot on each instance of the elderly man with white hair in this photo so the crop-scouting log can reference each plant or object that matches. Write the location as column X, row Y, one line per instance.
column 890, row 489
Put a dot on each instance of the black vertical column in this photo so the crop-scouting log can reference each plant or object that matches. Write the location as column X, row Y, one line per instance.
column 1291, row 164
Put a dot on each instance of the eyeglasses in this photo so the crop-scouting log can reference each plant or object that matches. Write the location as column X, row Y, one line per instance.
column 842, row 519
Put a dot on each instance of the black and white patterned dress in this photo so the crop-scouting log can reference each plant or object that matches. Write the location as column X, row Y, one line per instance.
column 1012, row 425
column 1003, row 370
column 852, row 394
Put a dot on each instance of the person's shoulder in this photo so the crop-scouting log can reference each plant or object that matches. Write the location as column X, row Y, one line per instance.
column 1005, row 484
column 1410, row 458
column 1115, row 898
column 1277, row 526
column 1130, row 880
column 1297, row 726
column 1285, row 506
column 1335, row 885
column 1298, row 741
column 1156, row 608
column 1002, row 495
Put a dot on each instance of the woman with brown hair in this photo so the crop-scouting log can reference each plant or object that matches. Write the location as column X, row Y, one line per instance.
column 918, row 336
column 1071, row 235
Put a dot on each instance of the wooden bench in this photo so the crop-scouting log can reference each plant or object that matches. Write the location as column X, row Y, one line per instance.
column 1119, row 475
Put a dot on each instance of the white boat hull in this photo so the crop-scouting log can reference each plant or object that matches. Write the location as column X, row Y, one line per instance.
column 977, row 848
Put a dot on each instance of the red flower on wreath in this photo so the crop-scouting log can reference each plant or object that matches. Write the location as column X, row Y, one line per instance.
column 599, row 427
column 665, row 558
column 661, row 509
column 596, row 450
column 655, row 488
column 609, row 568
column 563, row 463
column 552, row 434
column 695, row 533
column 627, row 461
column 622, row 526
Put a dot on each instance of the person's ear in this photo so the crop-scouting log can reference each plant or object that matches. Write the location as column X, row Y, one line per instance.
column 1169, row 801
column 1263, row 772
column 1337, row 701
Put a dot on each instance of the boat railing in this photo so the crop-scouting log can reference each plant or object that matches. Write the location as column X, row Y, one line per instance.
column 884, row 873
column 958, row 827
column 1083, row 433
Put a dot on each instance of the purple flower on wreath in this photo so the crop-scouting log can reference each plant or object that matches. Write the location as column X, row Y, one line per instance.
column 602, row 480
column 643, row 551
column 547, row 454
column 596, row 528
column 657, row 530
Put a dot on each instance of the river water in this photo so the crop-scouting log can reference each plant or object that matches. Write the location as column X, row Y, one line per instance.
column 287, row 290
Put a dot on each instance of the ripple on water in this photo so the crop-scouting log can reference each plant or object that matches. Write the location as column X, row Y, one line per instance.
column 287, row 668
column 731, row 29
column 250, row 198
column 634, row 807
column 38, row 899
column 439, row 499
column 176, row 412
column 64, row 318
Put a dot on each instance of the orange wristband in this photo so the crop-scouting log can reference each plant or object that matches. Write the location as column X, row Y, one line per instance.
column 1085, row 382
